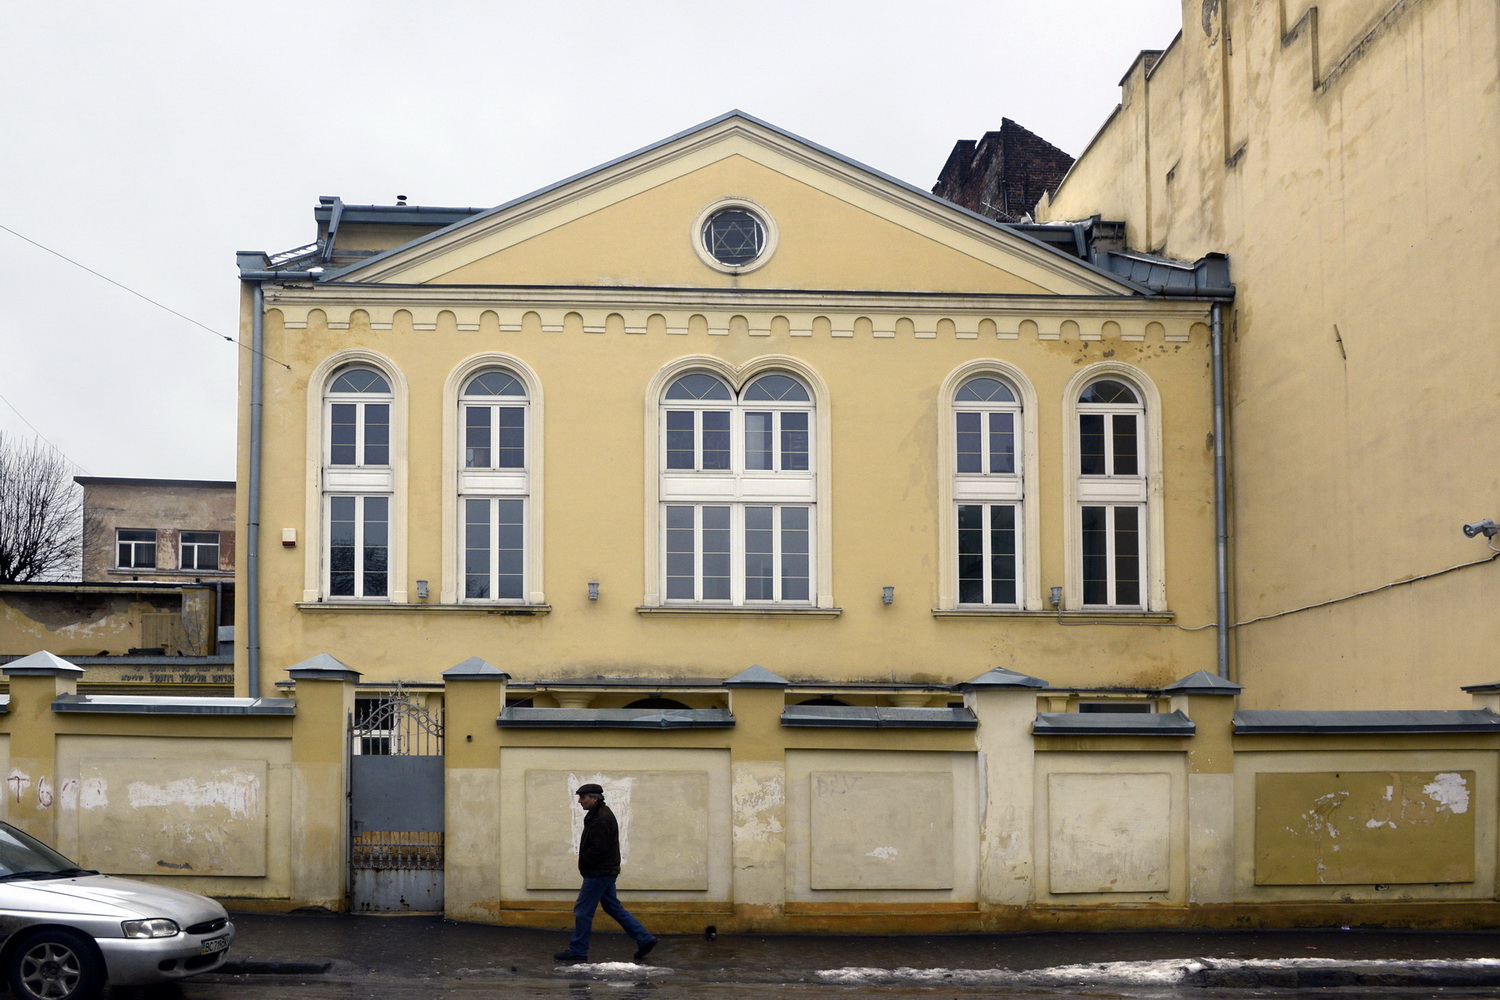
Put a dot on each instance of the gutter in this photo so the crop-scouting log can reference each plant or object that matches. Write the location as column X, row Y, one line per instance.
column 1221, row 494
column 257, row 408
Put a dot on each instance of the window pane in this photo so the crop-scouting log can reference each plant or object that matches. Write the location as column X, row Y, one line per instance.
column 511, row 545
column 698, row 386
column 342, row 429
column 477, row 548
column 715, row 439
column 970, row 452
column 1127, row 555
column 1002, row 554
column 1125, row 441
column 760, row 582
column 476, row 437
column 758, row 440
column 1091, row 444
column 376, row 531
column 512, row 422
column 796, row 584
column 681, row 554
column 341, row 535
column 377, row 434
column 1108, row 391
column 776, row 387
column 716, row 554
column 970, row 554
column 1002, row 443
column 794, row 442
column 494, row 384
column 1095, row 555
column 985, row 390
column 680, row 452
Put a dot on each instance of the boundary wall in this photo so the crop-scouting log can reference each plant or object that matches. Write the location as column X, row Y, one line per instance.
column 992, row 813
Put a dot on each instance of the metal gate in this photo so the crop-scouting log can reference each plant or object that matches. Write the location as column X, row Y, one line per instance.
column 395, row 806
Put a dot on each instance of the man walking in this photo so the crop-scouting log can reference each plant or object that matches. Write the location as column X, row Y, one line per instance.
column 599, row 864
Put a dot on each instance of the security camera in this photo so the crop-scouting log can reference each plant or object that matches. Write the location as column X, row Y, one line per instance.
column 1487, row 528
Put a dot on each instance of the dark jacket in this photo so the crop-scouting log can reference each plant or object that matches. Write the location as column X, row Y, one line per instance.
column 599, row 847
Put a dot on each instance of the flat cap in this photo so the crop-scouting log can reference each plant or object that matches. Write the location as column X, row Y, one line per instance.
column 590, row 789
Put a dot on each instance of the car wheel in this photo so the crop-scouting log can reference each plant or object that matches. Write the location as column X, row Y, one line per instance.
column 55, row 964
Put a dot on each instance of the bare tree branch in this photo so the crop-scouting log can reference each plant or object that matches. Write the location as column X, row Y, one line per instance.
column 41, row 513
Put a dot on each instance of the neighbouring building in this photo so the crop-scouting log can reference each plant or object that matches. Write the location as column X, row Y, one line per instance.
column 1346, row 156
column 1003, row 174
column 154, row 610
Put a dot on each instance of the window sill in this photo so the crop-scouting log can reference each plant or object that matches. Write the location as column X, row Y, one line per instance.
column 699, row 611
column 1089, row 617
column 506, row 610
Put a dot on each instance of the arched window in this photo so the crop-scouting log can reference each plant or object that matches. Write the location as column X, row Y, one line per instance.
column 493, row 486
column 988, row 491
column 1112, row 493
column 738, row 495
column 358, row 483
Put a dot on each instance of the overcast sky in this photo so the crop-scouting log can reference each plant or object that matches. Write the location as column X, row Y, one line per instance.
column 150, row 140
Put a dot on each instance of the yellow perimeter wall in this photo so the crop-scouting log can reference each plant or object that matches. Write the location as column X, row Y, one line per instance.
column 762, row 827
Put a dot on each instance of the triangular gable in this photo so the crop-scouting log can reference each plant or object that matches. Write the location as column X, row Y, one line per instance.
column 841, row 226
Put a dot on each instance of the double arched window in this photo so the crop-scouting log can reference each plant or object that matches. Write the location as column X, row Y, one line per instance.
column 737, row 489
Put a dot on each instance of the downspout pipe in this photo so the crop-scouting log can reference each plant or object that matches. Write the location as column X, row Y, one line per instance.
column 257, row 409
column 1221, row 494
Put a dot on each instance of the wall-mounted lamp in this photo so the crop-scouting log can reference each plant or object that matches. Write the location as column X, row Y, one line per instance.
column 421, row 590
column 1487, row 528
column 1055, row 597
column 593, row 590
column 887, row 595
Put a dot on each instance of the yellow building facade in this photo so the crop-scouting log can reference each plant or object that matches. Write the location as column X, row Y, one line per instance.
column 1345, row 156
column 730, row 400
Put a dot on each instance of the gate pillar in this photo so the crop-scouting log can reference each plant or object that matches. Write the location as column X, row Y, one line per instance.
column 320, row 781
column 474, row 696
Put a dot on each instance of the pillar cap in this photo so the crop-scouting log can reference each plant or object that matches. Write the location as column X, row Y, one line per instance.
column 322, row 668
column 999, row 677
column 756, row 677
column 1203, row 682
column 475, row 669
column 41, row 664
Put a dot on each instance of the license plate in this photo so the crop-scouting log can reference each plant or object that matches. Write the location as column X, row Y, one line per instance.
column 214, row 944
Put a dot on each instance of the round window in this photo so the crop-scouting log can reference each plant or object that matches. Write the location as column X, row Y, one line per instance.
column 734, row 235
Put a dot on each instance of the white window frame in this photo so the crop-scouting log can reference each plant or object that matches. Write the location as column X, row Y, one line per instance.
column 737, row 487
column 523, row 483
column 184, row 546
column 988, row 489
column 325, row 479
column 135, row 544
column 361, row 522
column 1141, row 490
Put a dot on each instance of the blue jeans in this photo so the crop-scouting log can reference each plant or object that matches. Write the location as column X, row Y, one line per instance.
column 601, row 892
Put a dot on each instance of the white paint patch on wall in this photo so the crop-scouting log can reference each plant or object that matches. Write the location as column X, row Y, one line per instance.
column 240, row 795
column 93, row 793
column 883, row 853
column 1449, row 791
column 757, row 807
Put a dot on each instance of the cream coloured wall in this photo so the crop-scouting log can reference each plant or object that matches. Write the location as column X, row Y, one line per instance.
column 876, row 295
column 1343, row 155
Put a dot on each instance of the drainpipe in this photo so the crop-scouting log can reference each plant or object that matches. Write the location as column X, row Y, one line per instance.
column 1221, row 494
column 257, row 401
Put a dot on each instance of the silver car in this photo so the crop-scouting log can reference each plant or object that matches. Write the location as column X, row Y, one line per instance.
column 65, row 931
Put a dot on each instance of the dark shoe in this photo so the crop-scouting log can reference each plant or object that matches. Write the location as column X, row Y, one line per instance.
column 569, row 956
column 645, row 949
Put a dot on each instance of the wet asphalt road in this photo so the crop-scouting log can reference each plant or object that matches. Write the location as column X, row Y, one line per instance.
column 404, row 958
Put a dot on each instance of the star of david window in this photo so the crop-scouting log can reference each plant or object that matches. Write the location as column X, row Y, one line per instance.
column 734, row 237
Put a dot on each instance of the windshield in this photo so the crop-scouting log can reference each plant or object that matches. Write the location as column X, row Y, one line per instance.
column 23, row 856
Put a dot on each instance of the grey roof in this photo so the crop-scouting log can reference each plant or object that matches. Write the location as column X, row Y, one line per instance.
column 629, row 683
column 1207, row 277
column 149, row 705
column 615, row 718
column 756, row 677
column 1202, row 682
column 1467, row 720
column 475, row 669
column 1113, row 724
column 999, row 677
column 867, row 717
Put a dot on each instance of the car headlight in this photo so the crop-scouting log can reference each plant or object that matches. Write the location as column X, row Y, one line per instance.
column 156, row 927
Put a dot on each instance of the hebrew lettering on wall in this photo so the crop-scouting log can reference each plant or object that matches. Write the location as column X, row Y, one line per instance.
column 1364, row 827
